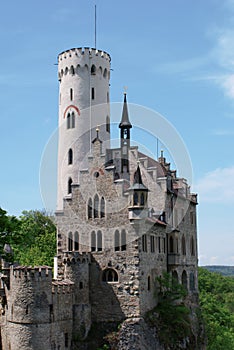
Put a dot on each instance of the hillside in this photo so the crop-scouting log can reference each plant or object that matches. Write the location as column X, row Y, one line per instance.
column 222, row 269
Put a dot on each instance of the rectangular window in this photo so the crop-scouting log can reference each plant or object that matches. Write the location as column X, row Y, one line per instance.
column 159, row 244
column 93, row 94
column 152, row 243
column 71, row 94
column 144, row 243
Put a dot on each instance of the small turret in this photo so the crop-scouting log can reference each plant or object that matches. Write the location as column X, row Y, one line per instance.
column 139, row 195
column 125, row 127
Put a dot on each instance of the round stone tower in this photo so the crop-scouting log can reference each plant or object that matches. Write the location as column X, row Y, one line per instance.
column 84, row 75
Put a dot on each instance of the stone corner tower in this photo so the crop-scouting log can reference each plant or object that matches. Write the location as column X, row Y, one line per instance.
column 83, row 75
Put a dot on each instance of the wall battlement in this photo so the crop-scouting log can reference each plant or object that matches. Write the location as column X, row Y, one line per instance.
column 83, row 51
column 76, row 257
column 31, row 273
column 62, row 287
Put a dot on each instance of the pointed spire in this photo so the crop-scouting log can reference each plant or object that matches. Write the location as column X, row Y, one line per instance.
column 125, row 123
column 137, row 177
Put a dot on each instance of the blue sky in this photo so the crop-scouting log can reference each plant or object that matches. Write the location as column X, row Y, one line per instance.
column 175, row 56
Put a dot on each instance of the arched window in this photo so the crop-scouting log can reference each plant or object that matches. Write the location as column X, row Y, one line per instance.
column 105, row 73
column 69, row 186
column 175, row 278
column 183, row 246
column 72, row 70
column 117, row 241
column 135, row 198
column 123, row 240
column 68, row 121
column 90, row 208
column 191, row 281
column 184, row 279
column 102, row 207
column 66, row 71
column 109, row 275
column 70, row 156
column 76, row 241
column 71, row 94
column 93, row 69
column 192, row 248
column 93, row 241
column 73, row 120
column 142, row 199
column 70, row 242
column 96, row 206
column 171, row 245
column 99, row 241
column 108, row 123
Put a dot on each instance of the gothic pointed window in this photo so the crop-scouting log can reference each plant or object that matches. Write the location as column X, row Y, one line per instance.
column 117, row 241
column 184, row 279
column 70, row 156
column 90, row 208
column 93, row 241
column 69, row 121
column 93, row 69
column 96, row 206
column 102, row 207
column 99, row 241
column 175, row 277
column 123, row 240
column 69, row 186
column 135, row 198
column 191, row 281
column 76, row 241
column 73, row 120
column 70, row 242
column 183, row 246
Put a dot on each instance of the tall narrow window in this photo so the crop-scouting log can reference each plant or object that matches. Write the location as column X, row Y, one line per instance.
column 123, row 240
column 148, row 283
column 184, row 279
column 70, row 156
column 69, row 186
column 152, row 243
column 135, row 198
column 99, row 241
column 175, row 277
column 117, row 241
column 73, row 120
column 108, row 124
column 144, row 243
column 70, row 242
column 191, row 217
column 76, row 241
column 102, row 207
column 93, row 69
column 68, row 121
column 159, row 244
column 96, row 206
column 71, row 94
column 90, row 208
column 107, row 97
column 142, row 199
column 171, row 245
column 66, row 340
column 93, row 241
column 191, row 281
column 183, row 246
column 72, row 70
column 92, row 93
column 192, row 248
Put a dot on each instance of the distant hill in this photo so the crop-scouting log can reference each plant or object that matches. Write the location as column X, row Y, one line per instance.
column 223, row 270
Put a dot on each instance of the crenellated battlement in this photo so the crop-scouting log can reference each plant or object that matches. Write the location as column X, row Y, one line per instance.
column 83, row 51
column 31, row 273
column 76, row 257
column 62, row 287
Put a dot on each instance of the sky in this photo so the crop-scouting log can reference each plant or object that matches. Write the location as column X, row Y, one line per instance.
column 175, row 56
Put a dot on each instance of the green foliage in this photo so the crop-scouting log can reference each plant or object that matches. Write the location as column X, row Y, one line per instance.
column 217, row 304
column 223, row 270
column 32, row 238
column 170, row 316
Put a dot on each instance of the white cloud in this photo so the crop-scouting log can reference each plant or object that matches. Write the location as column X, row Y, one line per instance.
column 217, row 186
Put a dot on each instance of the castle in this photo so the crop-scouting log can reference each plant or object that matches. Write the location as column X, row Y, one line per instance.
column 122, row 219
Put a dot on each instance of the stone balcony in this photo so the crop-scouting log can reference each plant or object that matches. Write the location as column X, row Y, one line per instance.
column 173, row 259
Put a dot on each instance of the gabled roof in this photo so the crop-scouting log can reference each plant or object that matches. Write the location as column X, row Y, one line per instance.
column 137, row 182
